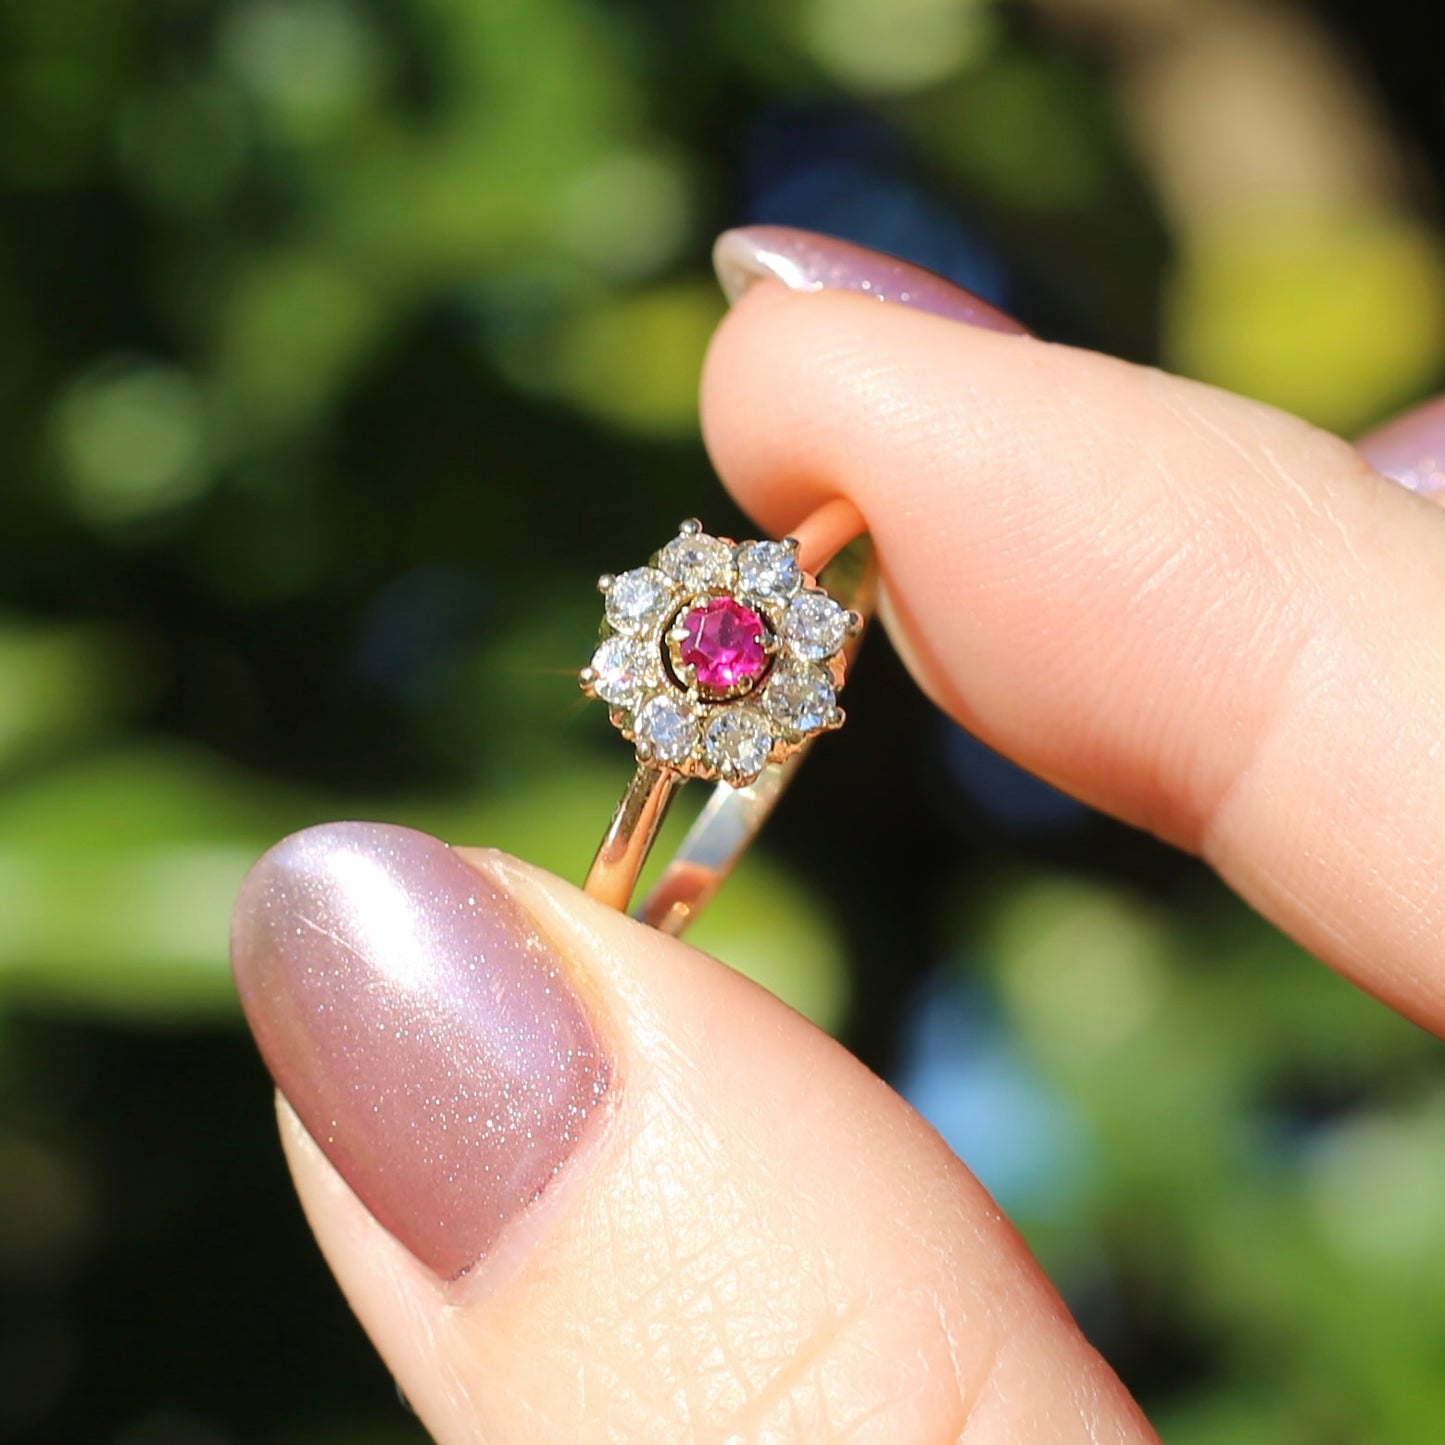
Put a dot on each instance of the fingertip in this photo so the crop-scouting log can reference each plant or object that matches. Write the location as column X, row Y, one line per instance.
column 791, row 377
column 757, row 1199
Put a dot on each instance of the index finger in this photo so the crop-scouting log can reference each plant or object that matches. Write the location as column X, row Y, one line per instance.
column 1194, row 611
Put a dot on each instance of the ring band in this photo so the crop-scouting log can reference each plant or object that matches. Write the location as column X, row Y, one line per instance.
column 722, row 660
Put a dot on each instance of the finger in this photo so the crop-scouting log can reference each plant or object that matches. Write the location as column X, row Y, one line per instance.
column 1192, row 610
column 580, row 1182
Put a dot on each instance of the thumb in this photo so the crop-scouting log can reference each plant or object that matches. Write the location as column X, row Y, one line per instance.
column 581, row 1182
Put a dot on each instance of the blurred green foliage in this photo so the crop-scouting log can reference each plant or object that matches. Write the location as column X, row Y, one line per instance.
column 344, row 342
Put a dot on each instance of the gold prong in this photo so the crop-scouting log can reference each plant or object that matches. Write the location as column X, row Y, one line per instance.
column 604, row 583
column 644, row 752
column 855, row 623
column 836, row 719
column 689, row 527
column 678, row 634
column 587, row 676
column 792, row 544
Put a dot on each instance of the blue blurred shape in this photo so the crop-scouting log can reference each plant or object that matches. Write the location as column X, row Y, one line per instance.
column 411, row 628
column 844, row 171
column 961, row 1072
column 1003, row 792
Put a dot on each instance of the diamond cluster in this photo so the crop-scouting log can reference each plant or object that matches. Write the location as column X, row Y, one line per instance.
column 720, row 657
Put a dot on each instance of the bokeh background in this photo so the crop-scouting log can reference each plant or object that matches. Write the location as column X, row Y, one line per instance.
column 344, row 342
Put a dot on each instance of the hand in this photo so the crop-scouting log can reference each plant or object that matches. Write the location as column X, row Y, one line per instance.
column 581, row 1182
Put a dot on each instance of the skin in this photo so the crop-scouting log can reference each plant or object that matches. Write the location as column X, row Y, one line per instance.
column 1200, row 614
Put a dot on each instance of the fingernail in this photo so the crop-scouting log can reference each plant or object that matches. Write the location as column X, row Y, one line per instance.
column 1411, row 449
column 806, row 261
column 425, row 1034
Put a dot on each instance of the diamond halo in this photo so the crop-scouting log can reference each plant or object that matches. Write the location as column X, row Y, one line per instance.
column 718, row 657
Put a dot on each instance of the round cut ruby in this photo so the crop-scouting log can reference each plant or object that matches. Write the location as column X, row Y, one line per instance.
column 721, row 645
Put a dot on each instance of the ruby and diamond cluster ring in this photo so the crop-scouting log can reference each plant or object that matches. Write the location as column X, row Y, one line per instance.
column 720, row 657
column 719, row 660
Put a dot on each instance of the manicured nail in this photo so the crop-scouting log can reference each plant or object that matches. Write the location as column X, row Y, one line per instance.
column 1411, row 449
column 423, row 1031
column 806, row 261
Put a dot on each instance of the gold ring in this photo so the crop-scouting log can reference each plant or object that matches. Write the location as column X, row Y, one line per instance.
column 721, row 660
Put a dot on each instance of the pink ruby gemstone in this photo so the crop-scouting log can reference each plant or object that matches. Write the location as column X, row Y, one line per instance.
column 722, row 645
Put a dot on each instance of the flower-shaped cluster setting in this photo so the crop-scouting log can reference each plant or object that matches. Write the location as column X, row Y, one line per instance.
column 720, row 657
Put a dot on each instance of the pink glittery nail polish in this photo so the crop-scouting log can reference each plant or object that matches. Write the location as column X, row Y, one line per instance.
column 807, row 261
column 422, row 1030
column 1411, row 449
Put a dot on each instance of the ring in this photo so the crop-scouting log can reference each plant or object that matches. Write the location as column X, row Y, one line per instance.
column 723, row 661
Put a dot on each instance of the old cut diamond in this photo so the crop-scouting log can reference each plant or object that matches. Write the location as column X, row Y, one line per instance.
column 638, row 600
column 800, row 697
column 738, row 742
column 815, row 626
column 623, row 671
column 768, row 569
column 668, row 727
column 699, row 562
